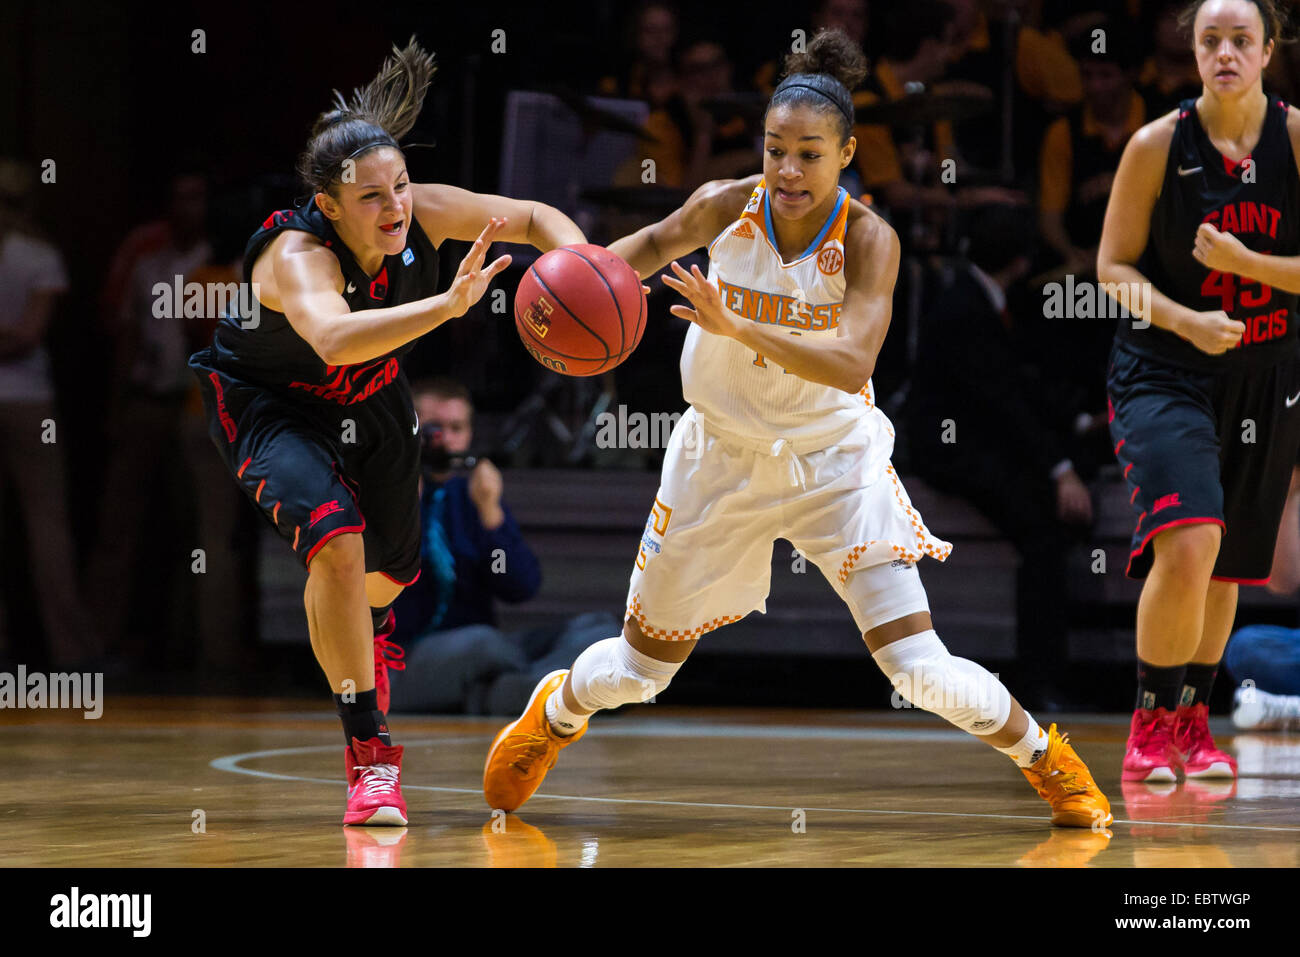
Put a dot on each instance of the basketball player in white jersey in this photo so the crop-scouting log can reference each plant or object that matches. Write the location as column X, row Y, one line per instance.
column 783, row 440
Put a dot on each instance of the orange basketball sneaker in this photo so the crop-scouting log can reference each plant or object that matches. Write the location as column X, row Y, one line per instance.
column 525, row 750
column 1063, row 781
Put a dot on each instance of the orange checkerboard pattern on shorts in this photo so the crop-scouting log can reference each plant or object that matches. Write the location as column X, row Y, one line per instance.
column 690, row 634
column 906, row 554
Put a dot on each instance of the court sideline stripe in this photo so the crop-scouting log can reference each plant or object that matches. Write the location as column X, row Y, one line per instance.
column 231, row 763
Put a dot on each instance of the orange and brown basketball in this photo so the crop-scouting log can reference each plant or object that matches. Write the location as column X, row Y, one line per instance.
column 580, row 310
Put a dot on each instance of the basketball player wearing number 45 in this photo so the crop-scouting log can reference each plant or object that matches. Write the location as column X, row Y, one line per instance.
column 1205, row 208
column 783, row 440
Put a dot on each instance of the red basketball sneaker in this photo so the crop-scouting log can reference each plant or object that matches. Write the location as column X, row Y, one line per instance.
column 374, row 783
column 1192, row 737
column 1151, row 754
column 387, row 655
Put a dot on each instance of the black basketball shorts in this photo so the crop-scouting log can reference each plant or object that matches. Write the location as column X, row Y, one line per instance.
column 1206, row 447
column 316, row 471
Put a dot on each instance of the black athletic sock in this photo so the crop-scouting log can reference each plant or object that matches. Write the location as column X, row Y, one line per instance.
column 379, row 615
column 362, row 718
column 1197, row 683
column 1158, row 687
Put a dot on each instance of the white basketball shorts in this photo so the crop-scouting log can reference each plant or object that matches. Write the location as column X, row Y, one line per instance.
column 706, row 553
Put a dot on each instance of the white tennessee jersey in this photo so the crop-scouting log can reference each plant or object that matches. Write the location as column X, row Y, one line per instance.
column 738, row 391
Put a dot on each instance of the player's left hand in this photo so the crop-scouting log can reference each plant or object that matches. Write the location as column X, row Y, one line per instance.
column 1218, row 250
column 709, row 312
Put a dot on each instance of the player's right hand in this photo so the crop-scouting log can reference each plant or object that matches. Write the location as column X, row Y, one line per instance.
column 1213, row 332
column 472, row 280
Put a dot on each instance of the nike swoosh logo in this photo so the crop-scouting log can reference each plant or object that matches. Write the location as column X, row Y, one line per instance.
column 1189, row 172
column 1293, row 400
column 351, row 288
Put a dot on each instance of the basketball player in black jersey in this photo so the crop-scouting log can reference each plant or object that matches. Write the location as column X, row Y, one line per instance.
column 1204, row 387
column 307, row 401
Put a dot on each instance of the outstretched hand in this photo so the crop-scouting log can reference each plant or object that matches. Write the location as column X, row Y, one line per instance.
column 472, row 280
column 709, row 313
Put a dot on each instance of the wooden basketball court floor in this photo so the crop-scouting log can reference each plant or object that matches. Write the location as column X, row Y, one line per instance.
column 205, row 782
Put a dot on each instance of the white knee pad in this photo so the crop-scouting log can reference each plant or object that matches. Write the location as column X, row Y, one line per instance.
column 611, row 673
column 924, row 673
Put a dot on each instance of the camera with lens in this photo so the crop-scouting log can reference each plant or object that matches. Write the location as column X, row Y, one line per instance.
column 435, row 459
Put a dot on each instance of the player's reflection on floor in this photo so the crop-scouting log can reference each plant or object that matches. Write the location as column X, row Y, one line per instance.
column 1072, row 847
column 374, row 846
column 513, row 842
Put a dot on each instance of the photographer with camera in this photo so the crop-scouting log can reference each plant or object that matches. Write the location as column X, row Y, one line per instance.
column 472, row 555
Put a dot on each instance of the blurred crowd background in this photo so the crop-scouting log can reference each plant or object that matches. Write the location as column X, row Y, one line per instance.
column 136, row 149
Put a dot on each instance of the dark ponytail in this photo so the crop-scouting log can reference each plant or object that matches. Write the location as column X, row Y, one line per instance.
column 822, row 78
column 379, row 114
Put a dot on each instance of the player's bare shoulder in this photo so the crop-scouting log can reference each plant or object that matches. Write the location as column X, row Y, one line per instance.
column 716, row 204
column 1154, row 138
column 867, row 236
column 1293, row 132
column 297, row 253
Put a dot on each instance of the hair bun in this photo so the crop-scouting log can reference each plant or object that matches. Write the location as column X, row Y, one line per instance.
column 833, row 53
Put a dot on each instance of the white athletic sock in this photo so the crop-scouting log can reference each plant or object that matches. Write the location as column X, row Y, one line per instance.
column 561, row 719
column 1027, row 751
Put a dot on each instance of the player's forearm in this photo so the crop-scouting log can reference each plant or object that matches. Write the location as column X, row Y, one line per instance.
column 361, row 336
column 1145, row 301
column 639, row 251
column 834, row 362
column 550, row 229
column 1280, row 272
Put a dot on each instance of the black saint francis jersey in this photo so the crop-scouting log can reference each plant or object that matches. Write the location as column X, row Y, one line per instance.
column 265, row 350
column 1258, row 201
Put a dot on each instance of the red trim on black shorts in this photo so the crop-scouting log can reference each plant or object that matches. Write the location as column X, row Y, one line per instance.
column 1160, row 528
column 403, row 584
column 1242, row 581
column 330, row 534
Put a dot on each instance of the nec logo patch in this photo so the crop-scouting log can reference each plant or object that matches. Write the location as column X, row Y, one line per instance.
column 408, row 256
column 1165, row 501
column 329, row 508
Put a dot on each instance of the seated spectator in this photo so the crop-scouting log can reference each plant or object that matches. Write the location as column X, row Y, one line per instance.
column 851, row 16
column 32, row 436
column 902, row 168
column 920, row 46
column 145, row 415
column 1080, row 155
column 1169, row 75
column 473, row 555
column 1081, row 150
column 721, row 146
column 980, row 430
column 648, row 50
column 1265, row 659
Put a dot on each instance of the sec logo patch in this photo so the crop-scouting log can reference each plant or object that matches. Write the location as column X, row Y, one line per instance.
column 831, row 259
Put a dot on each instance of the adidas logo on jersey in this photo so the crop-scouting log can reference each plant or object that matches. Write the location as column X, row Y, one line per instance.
column 743, row 231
